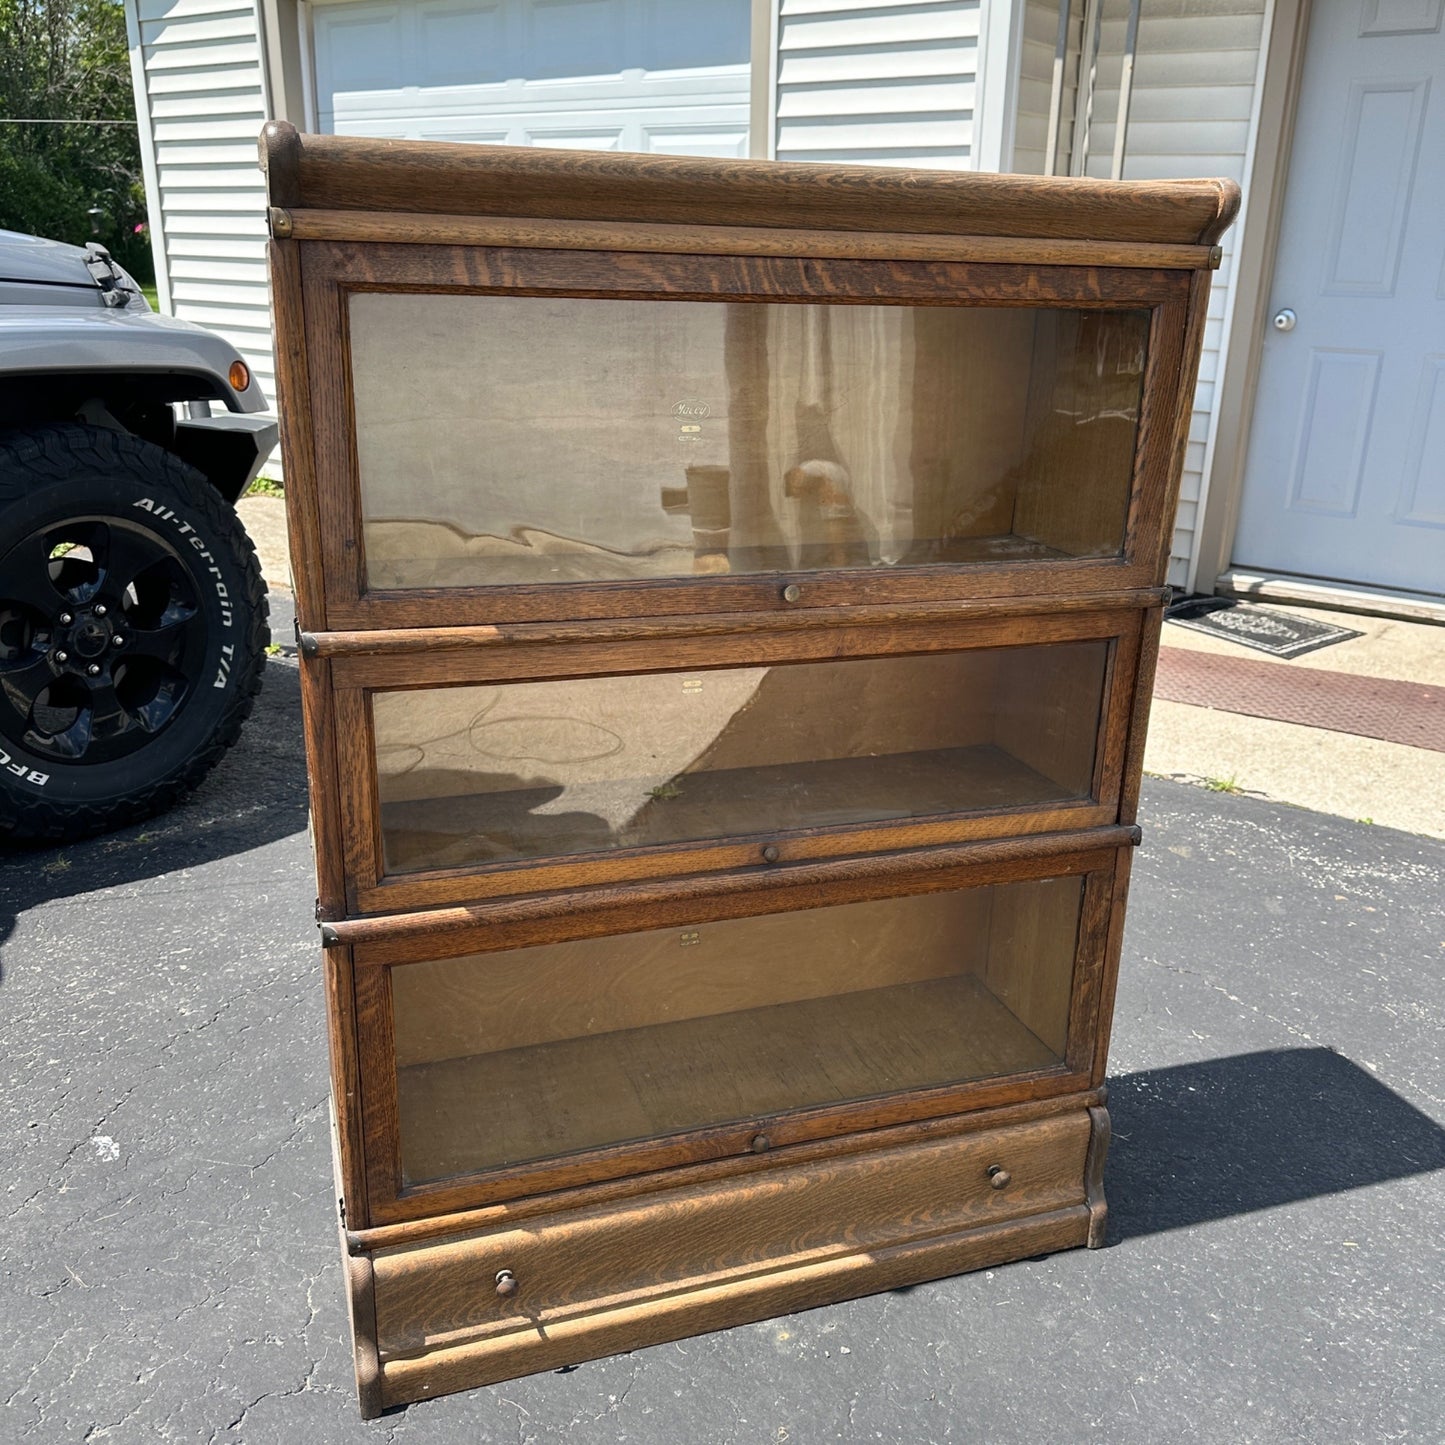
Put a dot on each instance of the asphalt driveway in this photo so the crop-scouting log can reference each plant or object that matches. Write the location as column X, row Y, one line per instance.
column 1276, row 1252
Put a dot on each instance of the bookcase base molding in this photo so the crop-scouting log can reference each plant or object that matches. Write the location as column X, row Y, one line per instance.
column 521, row 1295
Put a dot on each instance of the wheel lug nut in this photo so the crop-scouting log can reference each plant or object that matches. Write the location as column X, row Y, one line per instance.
column 66, row 619
column 117, row 641
column 100, row 609
column 94, row 669
column 62, row 657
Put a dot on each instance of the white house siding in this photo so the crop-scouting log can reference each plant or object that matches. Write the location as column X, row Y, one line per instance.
column 880, row 82
column 1191, row 114
column 1036, row 80
column 201, row 97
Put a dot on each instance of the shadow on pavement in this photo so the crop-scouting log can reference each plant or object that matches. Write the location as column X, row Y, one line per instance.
column 255, row 796
column 1200, row 1142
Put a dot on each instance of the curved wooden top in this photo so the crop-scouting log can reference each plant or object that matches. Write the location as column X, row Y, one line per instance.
column 348, row 173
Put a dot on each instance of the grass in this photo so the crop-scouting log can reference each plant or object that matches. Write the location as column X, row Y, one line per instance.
column 1223, row 785
column 152, row 296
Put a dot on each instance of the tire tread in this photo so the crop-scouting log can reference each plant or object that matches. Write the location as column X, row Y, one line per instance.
column 49, row 455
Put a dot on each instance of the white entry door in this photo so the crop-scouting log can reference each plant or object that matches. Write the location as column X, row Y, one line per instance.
column 640, row 75
column 1345, row 475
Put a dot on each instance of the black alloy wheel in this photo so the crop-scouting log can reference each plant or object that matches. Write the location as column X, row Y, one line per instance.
column 132, row 630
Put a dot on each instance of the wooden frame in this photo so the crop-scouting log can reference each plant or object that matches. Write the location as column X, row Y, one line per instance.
column 393, row 1202
column 333, row 272
column 811, row 1198
column 371, row 889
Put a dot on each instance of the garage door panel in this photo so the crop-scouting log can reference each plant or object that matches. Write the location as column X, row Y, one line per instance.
column 724, row 141
column 669, row 76
column 711, row 35
column 358, row 48
column 460, row 44
column 594, row 139
column 566, row 38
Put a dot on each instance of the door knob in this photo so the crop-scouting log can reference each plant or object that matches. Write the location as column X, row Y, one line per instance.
column 1284, row 319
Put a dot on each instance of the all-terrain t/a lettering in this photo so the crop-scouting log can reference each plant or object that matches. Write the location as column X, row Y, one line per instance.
column 165, row 514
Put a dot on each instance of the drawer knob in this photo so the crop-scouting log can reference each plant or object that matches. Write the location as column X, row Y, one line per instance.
column 506, row 1282
column 999, row 1177
column 770, row 854
column 792, row 592
column 760, row 1144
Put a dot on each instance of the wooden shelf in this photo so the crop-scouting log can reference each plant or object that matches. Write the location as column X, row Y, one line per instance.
column 728, row 802
column 485, row 1111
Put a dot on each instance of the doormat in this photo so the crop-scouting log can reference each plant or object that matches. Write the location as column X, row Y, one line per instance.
column 1277, row 633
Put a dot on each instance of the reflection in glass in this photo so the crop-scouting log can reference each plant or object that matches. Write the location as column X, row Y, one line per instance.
column 506, row 439
column 507, row 1057
column 475, row 775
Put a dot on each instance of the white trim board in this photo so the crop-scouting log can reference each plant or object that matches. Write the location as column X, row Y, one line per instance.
column 1335, row 596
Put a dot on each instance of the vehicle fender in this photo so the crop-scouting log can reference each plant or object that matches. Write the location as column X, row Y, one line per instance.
column 40, row 340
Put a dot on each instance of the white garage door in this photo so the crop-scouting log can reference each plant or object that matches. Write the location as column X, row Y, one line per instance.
column 631, row 75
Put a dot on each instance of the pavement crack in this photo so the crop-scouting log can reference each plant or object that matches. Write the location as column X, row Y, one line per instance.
column 1234, row 998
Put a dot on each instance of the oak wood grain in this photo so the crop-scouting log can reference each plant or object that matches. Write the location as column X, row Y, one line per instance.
column 1151, row 624
column 1099, row 1136
column 533, row 233
column 366, row 1352
column 329, row 172
column 739, row 647
column 574, row 1262
column 697, row 1311
column 394, row 641
column 797, row 1231
column 398, row 893
column 869, row 1131
column 581, row 913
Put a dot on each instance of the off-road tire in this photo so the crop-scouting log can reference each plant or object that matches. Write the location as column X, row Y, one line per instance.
column 53, row 474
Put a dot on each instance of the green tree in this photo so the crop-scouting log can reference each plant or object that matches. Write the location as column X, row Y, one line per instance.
column 65, row 67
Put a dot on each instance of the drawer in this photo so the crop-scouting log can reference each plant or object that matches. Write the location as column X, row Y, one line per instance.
column 565, row 766
column 780, row 1236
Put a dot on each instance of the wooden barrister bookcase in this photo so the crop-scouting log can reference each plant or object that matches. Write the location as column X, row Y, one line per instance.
column 728, row 596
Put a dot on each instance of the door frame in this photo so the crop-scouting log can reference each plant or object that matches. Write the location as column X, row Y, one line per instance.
column 1266, row 178
column 1267, row 171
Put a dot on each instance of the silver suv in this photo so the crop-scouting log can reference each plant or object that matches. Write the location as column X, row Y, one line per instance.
column 132, row 611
